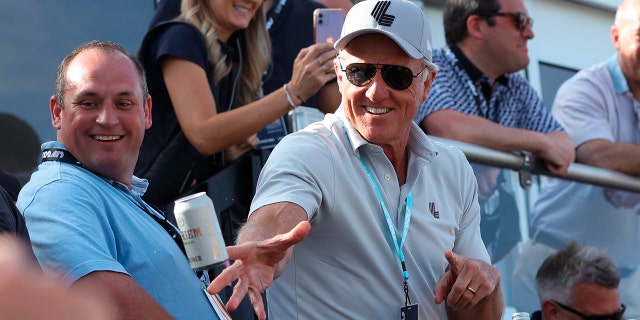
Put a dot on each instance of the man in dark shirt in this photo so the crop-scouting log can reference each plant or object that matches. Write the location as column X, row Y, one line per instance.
column 479, row 97
column 11, row 220
column 579, row 281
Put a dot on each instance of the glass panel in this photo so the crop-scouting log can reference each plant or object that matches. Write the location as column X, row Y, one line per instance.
column 552, row 77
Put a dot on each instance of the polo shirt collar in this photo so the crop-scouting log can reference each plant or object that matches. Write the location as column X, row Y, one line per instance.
column 418, row 142
column 474, row 73
column 617, row 77
column 138, row 186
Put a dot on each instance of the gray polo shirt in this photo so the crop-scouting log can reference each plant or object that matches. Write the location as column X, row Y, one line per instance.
column 347, row 267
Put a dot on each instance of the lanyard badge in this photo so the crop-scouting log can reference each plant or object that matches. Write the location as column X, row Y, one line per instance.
column 408, row 311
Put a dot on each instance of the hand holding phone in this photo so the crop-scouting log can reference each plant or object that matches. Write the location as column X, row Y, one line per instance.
column 327, row 24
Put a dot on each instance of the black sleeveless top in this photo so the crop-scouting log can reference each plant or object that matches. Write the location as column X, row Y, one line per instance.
column 167, row 159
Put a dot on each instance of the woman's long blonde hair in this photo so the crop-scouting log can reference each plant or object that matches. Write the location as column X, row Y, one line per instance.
column 256, row 53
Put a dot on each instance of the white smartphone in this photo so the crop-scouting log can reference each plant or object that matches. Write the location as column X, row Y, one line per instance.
column 327, row 24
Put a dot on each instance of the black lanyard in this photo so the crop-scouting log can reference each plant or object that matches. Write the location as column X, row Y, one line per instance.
column 475, row 84
column 273, row 14
column 61, row 155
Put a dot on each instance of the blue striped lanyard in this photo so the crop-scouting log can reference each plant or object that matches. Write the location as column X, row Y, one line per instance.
column 387, row 216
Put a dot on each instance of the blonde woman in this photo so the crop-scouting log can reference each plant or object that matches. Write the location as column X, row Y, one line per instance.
column 204, row 71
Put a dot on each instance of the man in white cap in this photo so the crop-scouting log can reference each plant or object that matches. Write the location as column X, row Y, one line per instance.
column 385, row 222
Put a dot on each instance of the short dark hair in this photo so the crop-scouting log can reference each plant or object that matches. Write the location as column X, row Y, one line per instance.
column 105, row 46
column 456, row 13
column 575, row 264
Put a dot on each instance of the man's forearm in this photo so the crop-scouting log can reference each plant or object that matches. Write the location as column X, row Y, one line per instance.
column 271, row 220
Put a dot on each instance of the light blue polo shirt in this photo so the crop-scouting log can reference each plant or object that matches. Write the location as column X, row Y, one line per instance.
column 594, row 104
column 80, row 223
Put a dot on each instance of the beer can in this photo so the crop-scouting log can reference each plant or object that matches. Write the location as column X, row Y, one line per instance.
column 200, row 231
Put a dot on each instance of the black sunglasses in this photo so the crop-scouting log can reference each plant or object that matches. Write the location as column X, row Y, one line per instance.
column 397, row 77
column 613, row 316
column 521, row 19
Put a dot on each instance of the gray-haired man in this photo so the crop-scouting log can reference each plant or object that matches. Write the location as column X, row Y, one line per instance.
column 391, row 219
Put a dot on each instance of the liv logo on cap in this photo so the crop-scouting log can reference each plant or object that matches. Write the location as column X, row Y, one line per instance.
column 380, row 13
column 411, row 33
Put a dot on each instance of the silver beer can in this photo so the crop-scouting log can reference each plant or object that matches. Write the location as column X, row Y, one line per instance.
column 200, row 231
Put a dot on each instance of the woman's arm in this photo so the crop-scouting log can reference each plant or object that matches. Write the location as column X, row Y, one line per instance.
column 210, row 132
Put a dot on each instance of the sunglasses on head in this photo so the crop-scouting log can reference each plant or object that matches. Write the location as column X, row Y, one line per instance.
column 396, row 77
column 612, row 316
column 521, row 19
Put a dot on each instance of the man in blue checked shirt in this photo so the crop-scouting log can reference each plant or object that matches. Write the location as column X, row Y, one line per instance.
column 479, row 98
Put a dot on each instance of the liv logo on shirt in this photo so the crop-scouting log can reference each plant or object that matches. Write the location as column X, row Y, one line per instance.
column 380, row 13
column 432, row 209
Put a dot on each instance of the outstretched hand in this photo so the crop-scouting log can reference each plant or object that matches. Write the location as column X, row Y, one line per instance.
column 466, row 282
column 256, row 265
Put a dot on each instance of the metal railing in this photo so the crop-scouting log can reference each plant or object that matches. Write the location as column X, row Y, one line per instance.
column 528, row 165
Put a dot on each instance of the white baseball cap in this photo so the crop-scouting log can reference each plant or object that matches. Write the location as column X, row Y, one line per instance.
column 401, row 20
